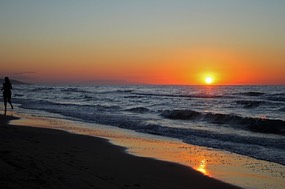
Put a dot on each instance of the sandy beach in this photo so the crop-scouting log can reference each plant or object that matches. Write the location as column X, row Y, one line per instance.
column 47, row 158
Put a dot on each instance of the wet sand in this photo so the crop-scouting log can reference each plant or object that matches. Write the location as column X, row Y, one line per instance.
column 33, row 157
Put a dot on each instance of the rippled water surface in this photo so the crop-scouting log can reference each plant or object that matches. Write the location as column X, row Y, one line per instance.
column 248, row 120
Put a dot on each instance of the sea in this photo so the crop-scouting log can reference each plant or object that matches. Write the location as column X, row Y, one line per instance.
column 246, row 120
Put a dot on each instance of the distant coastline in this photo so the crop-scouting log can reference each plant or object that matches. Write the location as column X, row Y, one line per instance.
column 15, row 82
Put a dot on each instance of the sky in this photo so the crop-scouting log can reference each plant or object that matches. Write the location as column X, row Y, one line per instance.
column 235, row 42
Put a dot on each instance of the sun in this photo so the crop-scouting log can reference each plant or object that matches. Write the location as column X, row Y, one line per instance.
column 209, row 80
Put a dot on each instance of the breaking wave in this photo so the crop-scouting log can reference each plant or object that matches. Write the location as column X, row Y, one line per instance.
column 181, row 95
column 262, row 125
column 138, row 110
column 249, row 103
column 252, row 93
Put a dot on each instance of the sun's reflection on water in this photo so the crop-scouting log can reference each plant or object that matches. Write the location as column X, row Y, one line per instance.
column 202, row 167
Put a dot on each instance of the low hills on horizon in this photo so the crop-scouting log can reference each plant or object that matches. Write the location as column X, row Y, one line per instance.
column 95, row 82
column 14, row 82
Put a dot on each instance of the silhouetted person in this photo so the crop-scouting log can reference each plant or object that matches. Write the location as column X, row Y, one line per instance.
column 7, row 86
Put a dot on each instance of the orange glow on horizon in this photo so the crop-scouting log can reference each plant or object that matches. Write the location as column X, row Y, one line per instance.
column 196, row 66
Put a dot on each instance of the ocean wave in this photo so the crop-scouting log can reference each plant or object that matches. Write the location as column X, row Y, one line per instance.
column 133, row 96
column 124, row 91
column 276, row 98
column 249, row 103
column 181, row 95
column 37, row 89
column 87, row 97
column 181, row 114
column 262, row 125
column 18, row 95
column 56, row 107
column 73, row 89
column 252, row 93
column 282, row 109
column 106, row 107
column 138, row 110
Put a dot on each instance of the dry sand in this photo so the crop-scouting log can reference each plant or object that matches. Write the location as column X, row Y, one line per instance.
column 45, row 158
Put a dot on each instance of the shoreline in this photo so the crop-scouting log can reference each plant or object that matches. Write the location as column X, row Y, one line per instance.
column 228, row 167
column 48, row 158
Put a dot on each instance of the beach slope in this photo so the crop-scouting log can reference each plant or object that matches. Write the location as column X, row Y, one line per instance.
column 45, row 158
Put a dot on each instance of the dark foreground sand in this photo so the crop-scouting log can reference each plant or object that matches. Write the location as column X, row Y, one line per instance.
column 45, row 158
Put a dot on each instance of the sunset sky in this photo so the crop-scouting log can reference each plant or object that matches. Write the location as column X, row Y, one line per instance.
column 149, row 41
